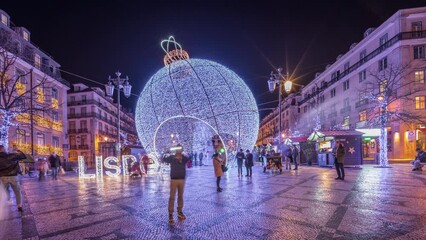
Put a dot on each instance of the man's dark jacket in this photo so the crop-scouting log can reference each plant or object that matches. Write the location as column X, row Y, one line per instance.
column 9, row 163
column 55, row 161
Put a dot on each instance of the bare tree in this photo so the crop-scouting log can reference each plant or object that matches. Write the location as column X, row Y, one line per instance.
column 23, row 99
column 390, row 95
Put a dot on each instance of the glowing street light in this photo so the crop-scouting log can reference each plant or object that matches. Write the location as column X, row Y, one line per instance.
column 120, row 83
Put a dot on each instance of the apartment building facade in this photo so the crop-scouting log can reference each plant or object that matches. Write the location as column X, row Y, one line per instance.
column 36, row 131
column 92, row 124
column 337, row 97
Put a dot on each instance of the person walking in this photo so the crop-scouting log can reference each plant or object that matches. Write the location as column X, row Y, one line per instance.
column 295, row 154
column 201, row 158
column 249, row 163
column 218, row 172
column 55, row 163
column 43, row 167
column 288, row 156
column 340, row 158
column 9, row 168
column 177, row 163
column 195, row 159
column 240, row 158
column 145, row 162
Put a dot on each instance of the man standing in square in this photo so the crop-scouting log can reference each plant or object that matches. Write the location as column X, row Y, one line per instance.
column 177, row 163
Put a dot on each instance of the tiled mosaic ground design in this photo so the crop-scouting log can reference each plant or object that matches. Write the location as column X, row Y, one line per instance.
column 372, row 203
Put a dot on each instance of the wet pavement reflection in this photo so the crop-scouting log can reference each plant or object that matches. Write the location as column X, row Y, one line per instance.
column 372, row 203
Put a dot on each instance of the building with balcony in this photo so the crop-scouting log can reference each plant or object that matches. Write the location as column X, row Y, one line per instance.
column 92, row 124
column 40, row 128
column 337, row 97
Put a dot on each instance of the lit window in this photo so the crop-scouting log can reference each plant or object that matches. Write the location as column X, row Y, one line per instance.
column 25, row 36
column 20, row 136
column 420, row 102
column 4, row 19
column 362, row 116
column 383, row 86
column 419, row 76
column 37, row 61
column 419, row 52
column 346, row 121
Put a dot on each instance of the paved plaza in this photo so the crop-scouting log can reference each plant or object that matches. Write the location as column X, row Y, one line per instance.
column 372, row 203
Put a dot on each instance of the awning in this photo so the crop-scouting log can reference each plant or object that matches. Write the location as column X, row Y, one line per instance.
column 322, row 135
column 369, row 132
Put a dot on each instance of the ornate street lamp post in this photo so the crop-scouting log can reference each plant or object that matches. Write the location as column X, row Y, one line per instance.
column 277, row 80
column 120, row 83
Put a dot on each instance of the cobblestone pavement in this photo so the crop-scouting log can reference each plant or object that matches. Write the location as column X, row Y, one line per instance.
column 372, row 203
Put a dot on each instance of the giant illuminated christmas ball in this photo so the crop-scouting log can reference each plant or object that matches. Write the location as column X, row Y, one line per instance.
column 190, row 100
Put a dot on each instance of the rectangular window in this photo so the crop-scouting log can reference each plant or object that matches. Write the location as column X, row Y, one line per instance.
column 25, row 36
column 305, row 109
column 335, row 75
column 420, row 102
column 72, row 125
column 362, row 75
column 37, row 61
column 55, row 116
column 346, row 102
column 4, row 19
column 322, row 83
column 20, row 136
column 346, row 85
column 419, row 76
column 20, row 76
column 383, row 86
column 383, row 39
column 72, row 99
column 54, row 93
column 346, row 121
column 333, row 108
column 40, row 139
column 362, row 54
column 83, row 124
column 333, row 92
column 72, row 111
column 83, row 111
column 363, row 116
column 55, row 142
column 346, row 67
column 419, row 52
column 321, row 98
column 416, row 28
column 383, row 63
column 83, row 98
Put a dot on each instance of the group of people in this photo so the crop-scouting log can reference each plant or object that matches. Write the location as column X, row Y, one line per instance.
column 290, row 156
column 247, row 159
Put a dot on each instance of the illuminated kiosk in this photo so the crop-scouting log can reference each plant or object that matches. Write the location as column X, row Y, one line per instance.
column 190, row 100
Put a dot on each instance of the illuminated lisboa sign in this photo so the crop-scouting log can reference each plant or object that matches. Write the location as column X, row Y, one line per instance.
column 112, row 166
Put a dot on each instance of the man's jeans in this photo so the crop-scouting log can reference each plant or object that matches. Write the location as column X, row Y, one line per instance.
column 417, row 164
column 240, row 167
column 55, row 172
column 176, row 184
column 13, row 181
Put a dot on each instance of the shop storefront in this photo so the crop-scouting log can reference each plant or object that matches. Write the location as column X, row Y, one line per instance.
column 327, row 141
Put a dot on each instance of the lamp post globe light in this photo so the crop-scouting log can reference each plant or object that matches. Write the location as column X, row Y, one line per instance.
column 276, row 80
column 120, row 83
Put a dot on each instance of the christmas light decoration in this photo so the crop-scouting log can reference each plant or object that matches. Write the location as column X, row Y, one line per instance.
column 190, row 97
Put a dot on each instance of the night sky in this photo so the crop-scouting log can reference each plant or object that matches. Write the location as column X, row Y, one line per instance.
column 95, row 38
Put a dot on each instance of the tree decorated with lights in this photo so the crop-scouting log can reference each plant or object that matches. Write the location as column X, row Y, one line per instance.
column 390, row 95
column 22, row 100
column 188, row 92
